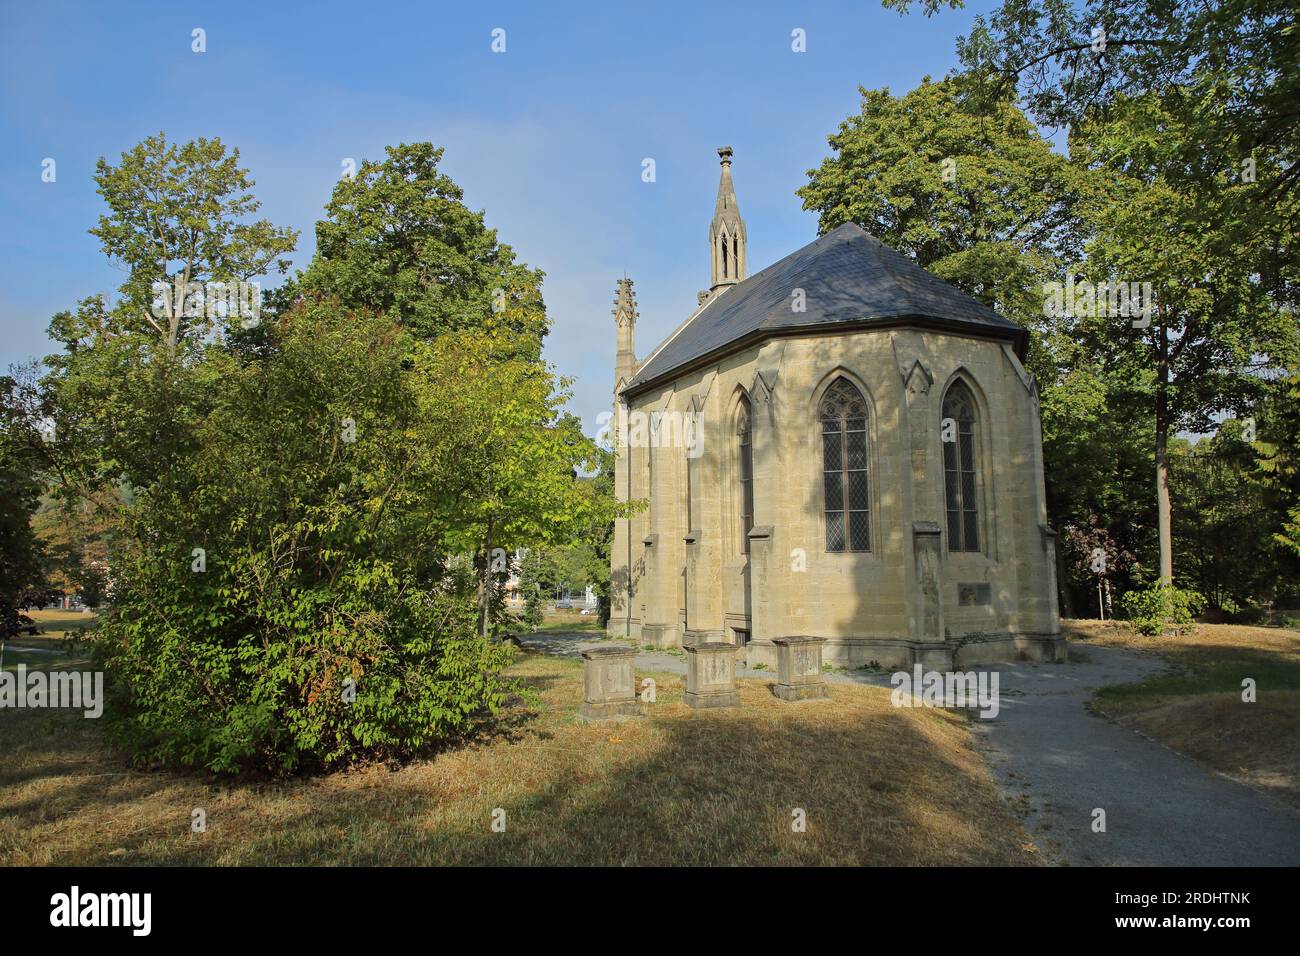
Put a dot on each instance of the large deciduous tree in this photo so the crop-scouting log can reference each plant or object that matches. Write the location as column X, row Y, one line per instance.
column 976, row 196
column 397, row 237
column 973, row 193
column 1221, row 323
column 291, row 589
column 179, row 214
column 1228, row 66
column 290, row 602
column 1278, row 461
column 23, row 561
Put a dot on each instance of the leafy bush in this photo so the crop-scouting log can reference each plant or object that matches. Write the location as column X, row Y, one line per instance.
column 534, row 605
column 293, row 601
column 307, row 506
column 207, row 674
column 1154, row 609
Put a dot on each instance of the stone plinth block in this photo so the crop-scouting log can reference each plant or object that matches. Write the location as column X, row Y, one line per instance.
column 609, row 691
column 932, row 656
column 799, row 668
column 711, row 675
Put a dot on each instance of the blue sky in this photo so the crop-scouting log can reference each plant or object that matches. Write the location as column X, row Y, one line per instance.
column 548, row 137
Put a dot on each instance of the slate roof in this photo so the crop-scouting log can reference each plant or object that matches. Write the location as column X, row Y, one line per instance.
column 849, row 278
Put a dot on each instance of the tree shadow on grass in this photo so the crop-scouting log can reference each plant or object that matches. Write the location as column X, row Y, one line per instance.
column 873, row 784
column 729, row 788
column 731, row 791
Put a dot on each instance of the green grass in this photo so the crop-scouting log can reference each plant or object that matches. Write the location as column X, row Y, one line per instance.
column 566, row 627
column 1215, row 660
column 41, row 657
column 62, row 623
column 1196, row 707
column 57, row 647
column 1210, row 677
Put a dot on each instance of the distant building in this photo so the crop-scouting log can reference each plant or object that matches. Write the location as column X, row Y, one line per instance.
column 514, row 596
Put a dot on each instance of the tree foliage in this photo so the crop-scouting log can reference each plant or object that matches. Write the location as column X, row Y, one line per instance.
column 1225, row 65
column 23, row 561
column 1278, row 460
column 1161, row 606
column 976, row 196
column 398, row 238
column 962, row 182
column 303, row 615
column 1221, row 325
column 307, row 517
column 179, row 214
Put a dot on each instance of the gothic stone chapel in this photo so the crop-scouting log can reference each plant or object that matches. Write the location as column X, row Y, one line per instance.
column 869, row 466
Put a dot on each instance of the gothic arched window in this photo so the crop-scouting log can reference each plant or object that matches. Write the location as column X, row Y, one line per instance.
column 961, row 494
column 745, row 470
column 846, row 498
column 724, row 255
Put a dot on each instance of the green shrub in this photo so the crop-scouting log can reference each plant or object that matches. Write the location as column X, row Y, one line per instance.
column 292, row 601
column 1161, row 606
column 209, row 673
column 534, row 609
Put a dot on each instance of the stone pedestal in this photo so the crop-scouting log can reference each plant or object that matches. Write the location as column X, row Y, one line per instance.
column 608, row 688
column 702, row 637
column 799, row 668
column 660, row 635
column 933, row 656
column 711, row 675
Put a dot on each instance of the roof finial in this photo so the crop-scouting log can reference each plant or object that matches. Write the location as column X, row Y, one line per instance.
column 727, row 231
column 624, row 310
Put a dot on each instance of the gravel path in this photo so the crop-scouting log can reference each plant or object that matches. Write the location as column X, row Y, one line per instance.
column 1057, row 763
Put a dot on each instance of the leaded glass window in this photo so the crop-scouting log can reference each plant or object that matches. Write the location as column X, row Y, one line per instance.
column 745, row 470
column 961, row 493
column 845, row 486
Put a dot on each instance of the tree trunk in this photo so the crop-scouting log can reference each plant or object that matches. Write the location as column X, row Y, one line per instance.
column 1162, row 458
column 484, row 570
column 177, row 311
column 1065, row 602
column 1063, row 595
column 482, row 595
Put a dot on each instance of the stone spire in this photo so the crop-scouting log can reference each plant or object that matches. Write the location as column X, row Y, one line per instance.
column 625, row 317
column 727, row 231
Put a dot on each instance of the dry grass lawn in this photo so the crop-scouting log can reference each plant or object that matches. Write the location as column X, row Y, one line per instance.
column 1197, row 708
column 879, row 785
